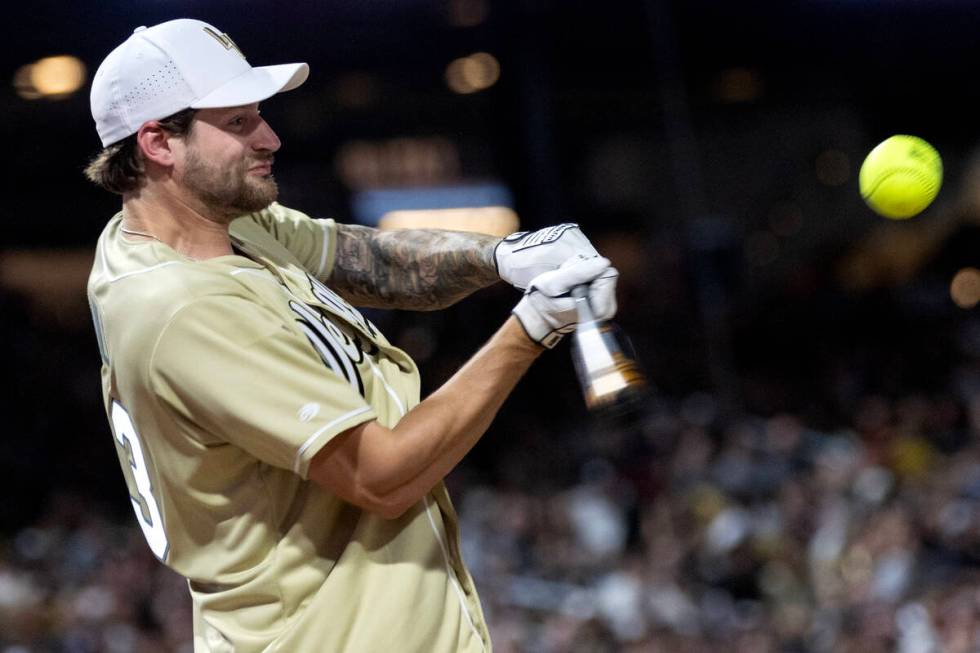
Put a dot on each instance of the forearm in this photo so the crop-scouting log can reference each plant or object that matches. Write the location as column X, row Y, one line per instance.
column 443, row 428
column 388, row 471
column 412, row 269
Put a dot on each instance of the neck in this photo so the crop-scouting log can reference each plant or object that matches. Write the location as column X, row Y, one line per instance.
column 185, row 226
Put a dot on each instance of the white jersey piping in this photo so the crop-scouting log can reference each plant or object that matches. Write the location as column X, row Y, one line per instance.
column 452, row 574
column 388, row 388
column 262, row 274
column 112, row 279
column 442, row 545
column 310, row 440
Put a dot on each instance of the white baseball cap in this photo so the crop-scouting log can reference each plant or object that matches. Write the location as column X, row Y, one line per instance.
column 180, row 64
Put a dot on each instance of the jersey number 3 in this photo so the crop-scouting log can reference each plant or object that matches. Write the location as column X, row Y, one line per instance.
column 144, row 503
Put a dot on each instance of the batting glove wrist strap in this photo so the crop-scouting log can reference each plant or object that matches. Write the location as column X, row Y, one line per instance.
column 547, row 311
column 522, row 256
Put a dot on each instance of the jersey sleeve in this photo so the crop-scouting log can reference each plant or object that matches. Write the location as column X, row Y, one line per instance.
column 229, row 367
column 313, row 241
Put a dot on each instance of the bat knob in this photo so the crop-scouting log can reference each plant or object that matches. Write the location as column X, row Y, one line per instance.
column 607, row 370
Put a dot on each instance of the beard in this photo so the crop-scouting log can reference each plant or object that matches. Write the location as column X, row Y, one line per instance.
column 229, row 192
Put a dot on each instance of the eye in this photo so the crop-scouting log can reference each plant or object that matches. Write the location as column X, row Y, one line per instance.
column 237, row 121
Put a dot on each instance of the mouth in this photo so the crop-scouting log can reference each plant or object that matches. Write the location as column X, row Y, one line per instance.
column 264, row 168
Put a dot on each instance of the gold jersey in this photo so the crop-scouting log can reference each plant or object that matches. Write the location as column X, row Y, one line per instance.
column 222, row 379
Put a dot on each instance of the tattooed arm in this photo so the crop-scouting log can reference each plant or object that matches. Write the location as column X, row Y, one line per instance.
column 412, row 269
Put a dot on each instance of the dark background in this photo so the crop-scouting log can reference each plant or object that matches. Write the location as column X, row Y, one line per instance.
column 752, row 272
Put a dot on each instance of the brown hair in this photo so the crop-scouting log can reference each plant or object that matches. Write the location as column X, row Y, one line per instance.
column 119, row 167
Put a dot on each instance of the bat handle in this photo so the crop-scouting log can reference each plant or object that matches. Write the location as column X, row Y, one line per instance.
column 581, row 295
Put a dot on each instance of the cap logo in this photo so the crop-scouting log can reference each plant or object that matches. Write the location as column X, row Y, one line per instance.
column 224, row 40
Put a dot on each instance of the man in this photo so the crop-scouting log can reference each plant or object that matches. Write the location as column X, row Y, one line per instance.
column 273, row 442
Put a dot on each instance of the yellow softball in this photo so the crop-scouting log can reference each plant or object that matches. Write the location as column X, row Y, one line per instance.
column 901, row 177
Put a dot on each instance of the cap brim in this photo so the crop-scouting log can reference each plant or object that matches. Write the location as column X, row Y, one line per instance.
column 255, row 85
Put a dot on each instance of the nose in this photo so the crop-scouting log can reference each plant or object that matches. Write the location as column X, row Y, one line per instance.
column 266, row 139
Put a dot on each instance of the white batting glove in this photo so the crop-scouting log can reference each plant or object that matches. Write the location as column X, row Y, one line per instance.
column 547, row 311
column 524, row 255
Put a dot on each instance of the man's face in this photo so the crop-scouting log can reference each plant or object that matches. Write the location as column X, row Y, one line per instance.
column 227, row 163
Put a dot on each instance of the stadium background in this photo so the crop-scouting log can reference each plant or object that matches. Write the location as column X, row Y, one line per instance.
column 806, row 476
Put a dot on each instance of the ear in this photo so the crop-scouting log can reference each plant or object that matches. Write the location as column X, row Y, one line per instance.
column 155, row 143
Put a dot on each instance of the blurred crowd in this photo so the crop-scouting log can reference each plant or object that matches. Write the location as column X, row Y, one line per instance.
column 748, row 535
column 77, row 582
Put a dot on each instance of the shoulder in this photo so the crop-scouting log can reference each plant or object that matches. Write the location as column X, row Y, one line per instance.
column 213, row 322
column 288, row 235
column 159, row 284
column 136, row 291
